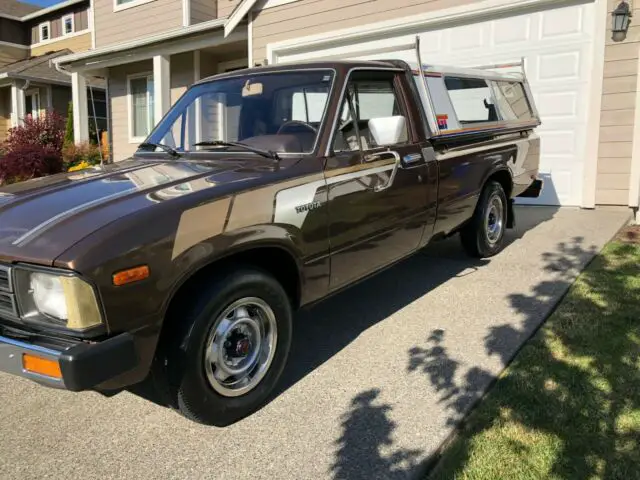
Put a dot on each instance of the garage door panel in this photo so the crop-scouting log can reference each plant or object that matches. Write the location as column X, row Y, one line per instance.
column 557, row 46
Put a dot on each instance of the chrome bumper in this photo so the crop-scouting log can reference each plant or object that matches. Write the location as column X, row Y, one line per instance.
column 11, row 352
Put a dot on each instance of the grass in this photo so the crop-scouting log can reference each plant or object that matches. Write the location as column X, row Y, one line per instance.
column 568, row 406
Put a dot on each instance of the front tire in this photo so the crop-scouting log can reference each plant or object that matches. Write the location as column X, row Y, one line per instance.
column 229, row 348
column 483, row 235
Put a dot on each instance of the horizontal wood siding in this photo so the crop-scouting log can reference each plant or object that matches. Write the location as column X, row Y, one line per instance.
column 181, row 74
column 136, row 22
column 119, row 109
column 617, row 116
column 311, row 17
column 61, row 96
column 77, row 43
column 203, row 10
column 225, row 7
column 12, row 54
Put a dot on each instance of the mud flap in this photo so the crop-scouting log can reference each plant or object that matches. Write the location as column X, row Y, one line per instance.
column 511, row 214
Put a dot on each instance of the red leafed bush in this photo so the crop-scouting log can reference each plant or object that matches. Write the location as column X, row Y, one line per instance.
column 29, row 161
column 46, row 130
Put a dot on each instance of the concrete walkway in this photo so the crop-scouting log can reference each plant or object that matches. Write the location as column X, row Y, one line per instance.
column 379, row 376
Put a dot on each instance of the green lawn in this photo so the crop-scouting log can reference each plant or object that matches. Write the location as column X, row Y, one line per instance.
column 568, row 407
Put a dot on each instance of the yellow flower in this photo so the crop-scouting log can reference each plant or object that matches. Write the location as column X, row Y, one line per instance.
column 82, row 165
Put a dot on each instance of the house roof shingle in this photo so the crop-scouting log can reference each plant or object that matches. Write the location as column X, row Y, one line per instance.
column 16, row 8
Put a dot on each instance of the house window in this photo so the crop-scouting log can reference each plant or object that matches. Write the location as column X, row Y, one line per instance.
column 124, row 4
column 45, row 31
column 67, row 24
column 141, row 119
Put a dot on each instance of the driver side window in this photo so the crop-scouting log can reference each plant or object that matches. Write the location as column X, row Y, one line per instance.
column 370, row 114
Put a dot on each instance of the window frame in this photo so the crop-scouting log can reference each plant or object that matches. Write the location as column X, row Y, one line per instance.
column 118, row 6
column 150, row 125
column 40, row 26
column 479, row 124
column 399, row 92
column 66, row 17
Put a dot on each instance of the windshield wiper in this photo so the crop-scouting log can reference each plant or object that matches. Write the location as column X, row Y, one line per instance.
column 161, row 146
column 259, row 151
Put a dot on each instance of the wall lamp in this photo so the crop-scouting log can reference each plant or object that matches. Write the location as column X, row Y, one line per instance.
column 620, row 19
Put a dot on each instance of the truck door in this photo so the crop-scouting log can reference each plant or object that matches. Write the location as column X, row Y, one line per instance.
column 377, row 177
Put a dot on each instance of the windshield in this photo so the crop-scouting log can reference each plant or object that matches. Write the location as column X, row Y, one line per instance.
column 280, row 112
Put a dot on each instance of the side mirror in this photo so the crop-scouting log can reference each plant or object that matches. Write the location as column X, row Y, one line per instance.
column 388, row 130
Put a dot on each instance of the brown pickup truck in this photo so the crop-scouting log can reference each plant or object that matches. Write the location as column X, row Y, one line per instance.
column 261, row 191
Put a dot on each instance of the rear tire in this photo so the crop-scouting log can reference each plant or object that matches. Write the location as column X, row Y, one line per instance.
column 216, row 362
column 483, row 235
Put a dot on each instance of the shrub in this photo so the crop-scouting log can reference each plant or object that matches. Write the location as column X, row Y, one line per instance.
column 68, row 132
column 29, row 161
column 46, row 131
column 85, row 153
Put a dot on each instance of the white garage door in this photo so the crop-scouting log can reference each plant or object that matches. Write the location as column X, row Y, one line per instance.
column 557, row 45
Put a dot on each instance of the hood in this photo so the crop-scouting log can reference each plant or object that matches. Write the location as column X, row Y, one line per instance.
column 41, row 218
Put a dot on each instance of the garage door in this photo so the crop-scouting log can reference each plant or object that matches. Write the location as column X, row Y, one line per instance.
column 557, row 45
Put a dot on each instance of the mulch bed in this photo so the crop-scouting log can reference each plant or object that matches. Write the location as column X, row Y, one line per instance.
column 629, row 234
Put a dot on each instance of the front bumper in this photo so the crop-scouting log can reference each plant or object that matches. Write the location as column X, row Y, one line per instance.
column 82, row 366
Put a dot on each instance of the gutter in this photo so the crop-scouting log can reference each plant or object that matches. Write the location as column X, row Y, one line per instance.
column 148, row 40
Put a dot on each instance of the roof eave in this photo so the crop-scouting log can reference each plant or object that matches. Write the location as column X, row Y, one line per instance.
column 237, row 15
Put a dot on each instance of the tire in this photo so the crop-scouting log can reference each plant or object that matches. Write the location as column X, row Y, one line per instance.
column 189, row 379
column 481, row 237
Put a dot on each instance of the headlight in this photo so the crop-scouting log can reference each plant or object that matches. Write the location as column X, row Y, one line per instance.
column 63, row 300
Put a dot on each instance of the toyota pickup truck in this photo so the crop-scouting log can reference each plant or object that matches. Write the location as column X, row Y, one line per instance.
column 260, row 192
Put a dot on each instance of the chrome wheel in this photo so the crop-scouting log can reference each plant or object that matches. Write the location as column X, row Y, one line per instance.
column 494, row 219
column 240, row 347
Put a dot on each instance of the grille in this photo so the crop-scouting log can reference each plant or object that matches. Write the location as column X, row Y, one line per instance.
column 5, row 279
column 7, row 304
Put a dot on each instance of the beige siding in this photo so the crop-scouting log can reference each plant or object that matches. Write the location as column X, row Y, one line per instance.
column 77, row 43
column 617, row 117
column 203, row 10
column 61, row 97
column 309, row 17
column 122, row 148
column 5, row 112
column 139, row 21
column 181, row 74
column 225, row 7
column 12, row 54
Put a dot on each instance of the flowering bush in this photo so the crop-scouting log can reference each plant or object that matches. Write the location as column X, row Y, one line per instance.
column 46, row 130
column 29, row 161
column 74, row 155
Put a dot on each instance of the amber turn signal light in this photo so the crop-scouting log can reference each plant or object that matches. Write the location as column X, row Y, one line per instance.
column 42, row 366
column 130, row 275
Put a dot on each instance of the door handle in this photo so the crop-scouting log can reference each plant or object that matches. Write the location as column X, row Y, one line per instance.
column 379, row 156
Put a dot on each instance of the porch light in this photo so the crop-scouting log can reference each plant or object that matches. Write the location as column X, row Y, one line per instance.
column 620, row 19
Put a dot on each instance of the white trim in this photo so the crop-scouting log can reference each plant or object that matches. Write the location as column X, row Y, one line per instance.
column 239, row 63
column 250, row 39
column 125, row 6
column 15, row 45
column 17, row 105
column 186, row 13
column 237, row 16
column 50, row 9
column 161, row 86
column 276, row 3
column 634, row 176
column 592, row 142
column 141, row 42
column 61, row 37
column 92, row 22
column 409, row 24
column 80, row 108
column 73, row 24
column 147, row 75
column 49, row 97
column 40, row 26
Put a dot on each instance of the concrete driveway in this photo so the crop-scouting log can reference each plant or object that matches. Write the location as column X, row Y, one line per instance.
column 378, row 377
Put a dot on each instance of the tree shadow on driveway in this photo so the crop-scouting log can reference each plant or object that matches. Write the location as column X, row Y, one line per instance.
column 555, row 397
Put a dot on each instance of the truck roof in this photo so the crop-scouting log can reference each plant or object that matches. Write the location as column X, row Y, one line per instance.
column 347, row 64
